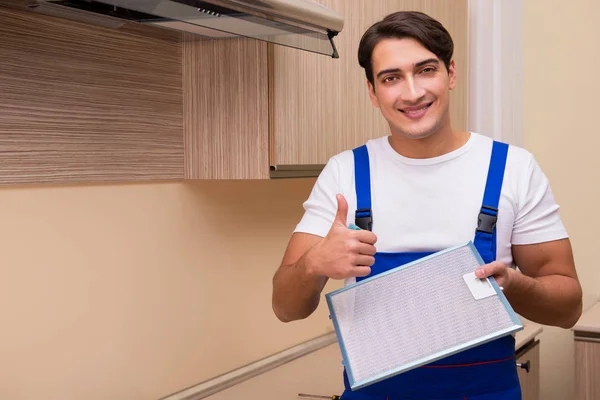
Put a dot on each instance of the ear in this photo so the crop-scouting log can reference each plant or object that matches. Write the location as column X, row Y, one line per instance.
column 452, row 75
column 372, row 94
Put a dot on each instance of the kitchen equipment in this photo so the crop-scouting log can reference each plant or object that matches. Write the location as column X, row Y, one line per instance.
column 417, row 313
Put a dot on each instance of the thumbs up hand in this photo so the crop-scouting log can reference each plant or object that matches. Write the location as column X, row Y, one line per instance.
column 344, row 252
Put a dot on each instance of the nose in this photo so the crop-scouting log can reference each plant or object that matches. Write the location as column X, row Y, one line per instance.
column 411, row 91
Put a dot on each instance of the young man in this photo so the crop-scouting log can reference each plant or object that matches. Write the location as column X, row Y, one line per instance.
column 424, row 188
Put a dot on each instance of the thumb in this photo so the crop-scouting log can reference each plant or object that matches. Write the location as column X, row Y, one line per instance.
column 342, row 210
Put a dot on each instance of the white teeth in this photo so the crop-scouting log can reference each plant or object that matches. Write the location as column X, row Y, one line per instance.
column 415, row 111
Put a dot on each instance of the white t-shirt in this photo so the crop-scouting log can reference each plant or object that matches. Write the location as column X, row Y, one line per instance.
column 433, row 204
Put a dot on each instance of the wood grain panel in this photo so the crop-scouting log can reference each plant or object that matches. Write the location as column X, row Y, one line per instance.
column 321, row 105
column 225, row 109
column 80, row 103
column 530, row 382
column 587, row 370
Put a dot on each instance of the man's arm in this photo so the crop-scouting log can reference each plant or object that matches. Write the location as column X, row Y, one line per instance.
column 310, row 260
column 548, row 290
column 296, row 291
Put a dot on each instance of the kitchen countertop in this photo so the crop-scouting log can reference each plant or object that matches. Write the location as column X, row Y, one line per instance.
column 589, row 321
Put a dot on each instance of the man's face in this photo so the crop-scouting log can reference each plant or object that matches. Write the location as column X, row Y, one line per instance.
column 411, row 87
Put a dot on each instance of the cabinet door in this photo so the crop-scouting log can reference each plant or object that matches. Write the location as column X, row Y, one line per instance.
column 320, row 106
column 81, row 103
column 587, row 369
column 530, row 381
column 225, row 108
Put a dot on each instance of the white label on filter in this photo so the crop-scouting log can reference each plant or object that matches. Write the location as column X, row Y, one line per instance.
column 480, row 288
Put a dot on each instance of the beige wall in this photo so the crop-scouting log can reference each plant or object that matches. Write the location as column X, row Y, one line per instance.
column 561, row 128
column 136, row 291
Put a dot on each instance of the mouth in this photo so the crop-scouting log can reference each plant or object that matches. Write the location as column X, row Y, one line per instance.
column 416, row 112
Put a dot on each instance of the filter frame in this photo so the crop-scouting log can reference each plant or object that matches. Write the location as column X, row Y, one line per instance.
column 517, row 325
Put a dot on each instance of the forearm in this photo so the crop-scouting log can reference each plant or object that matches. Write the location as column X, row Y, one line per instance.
column 296, row 292
column 550, row 300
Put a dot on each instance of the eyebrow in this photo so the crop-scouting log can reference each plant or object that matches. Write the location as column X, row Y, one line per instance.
column 417, row 65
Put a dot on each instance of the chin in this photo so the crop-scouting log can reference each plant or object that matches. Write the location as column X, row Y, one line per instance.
column 418, row 135
column 413, row 133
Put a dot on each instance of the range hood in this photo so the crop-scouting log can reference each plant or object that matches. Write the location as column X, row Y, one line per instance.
column 301, row 24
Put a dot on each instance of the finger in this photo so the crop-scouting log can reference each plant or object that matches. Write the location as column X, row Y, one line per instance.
column 342, row 210
column 490, row 269
column 366, row 249
column 366, row 237
column 360, row 271
column 364, row 260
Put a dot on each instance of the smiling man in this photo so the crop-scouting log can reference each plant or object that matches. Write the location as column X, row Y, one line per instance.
column 426, row 187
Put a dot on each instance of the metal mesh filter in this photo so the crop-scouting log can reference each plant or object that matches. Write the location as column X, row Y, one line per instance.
column 417, row 313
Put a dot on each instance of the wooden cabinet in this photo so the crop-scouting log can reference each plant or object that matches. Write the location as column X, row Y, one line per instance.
column 254, row 110
column 529, row 355
column 225, row 105
column 587, row 355
column 587, row 368
column 83, row 103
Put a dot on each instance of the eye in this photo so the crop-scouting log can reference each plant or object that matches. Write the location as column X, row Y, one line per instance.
column 389, row 79
column 427, row 70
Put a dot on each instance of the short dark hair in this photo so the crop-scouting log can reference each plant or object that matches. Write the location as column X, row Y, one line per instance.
column 406, row 24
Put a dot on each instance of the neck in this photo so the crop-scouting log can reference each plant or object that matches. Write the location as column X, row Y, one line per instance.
column 441, row 142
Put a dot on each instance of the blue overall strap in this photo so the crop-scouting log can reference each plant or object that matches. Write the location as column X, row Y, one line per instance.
column 485, row 235
column 362, row 182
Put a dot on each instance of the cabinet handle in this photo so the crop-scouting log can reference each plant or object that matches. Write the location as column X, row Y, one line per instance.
column 525, row 365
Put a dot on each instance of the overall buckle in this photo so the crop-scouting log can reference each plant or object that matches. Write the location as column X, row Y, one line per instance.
column 364, row 219
column 487, row 222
